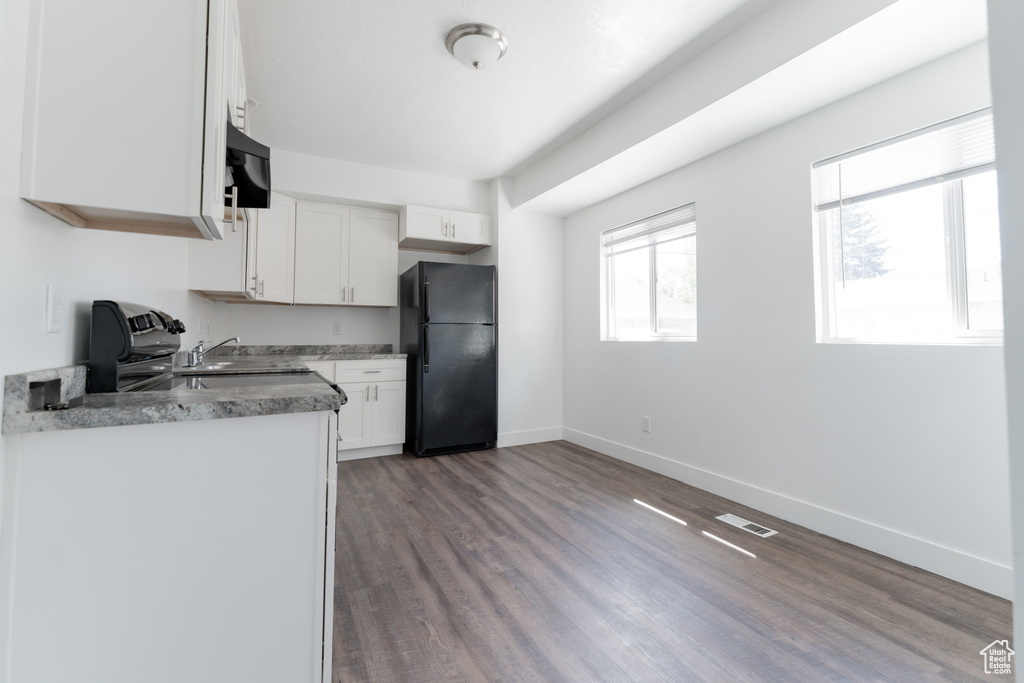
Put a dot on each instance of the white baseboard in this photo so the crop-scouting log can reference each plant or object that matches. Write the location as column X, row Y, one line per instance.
column 370, row 452
column 973, row 571
column 506, row 439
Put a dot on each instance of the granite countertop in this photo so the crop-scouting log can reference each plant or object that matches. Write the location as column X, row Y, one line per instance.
column 175, row 405
column 314, row 353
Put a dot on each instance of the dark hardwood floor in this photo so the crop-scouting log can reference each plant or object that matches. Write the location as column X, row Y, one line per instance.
column 533, row 563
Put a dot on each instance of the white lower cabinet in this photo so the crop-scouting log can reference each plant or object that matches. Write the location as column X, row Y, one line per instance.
column 373, row 416
column 188, row 551
column 375, row 412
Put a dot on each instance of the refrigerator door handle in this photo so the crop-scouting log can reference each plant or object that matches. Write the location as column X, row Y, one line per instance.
column 426, row 300
column 426, row 349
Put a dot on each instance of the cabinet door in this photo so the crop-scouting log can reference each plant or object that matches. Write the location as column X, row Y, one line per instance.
column 354, row 416
column 214, row 138
column 426, row 223
column 387, row 401
column 89, row 68
column 373, row 258
column 330, row 543
column 321, row 249
column 220, row 265
column 469, row 228
column 234, row 72
column 275, row 250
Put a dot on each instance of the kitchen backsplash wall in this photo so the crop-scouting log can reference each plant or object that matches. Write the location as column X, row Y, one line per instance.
column 267, row 324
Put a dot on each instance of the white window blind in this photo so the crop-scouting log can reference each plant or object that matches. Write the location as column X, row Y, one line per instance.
column 946, row 151
column 659, row 229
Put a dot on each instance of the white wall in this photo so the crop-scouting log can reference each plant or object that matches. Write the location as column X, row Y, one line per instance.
column 1006, row 25
column 305, row 175
column 899, row 449
column 529, row 260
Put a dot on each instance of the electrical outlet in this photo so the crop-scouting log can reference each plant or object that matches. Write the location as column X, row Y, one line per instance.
column 646, row 424
column 337, row 328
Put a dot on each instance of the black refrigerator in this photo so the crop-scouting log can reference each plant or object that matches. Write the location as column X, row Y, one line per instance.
column 449, row 330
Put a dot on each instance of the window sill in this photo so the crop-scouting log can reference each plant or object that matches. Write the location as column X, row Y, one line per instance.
column 959, row 341
column 649, row 339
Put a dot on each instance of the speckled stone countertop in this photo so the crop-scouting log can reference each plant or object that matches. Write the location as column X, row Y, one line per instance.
column 177, row 405
column 314, row 353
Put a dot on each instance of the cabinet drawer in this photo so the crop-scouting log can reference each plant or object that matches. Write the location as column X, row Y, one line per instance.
column 384, row 370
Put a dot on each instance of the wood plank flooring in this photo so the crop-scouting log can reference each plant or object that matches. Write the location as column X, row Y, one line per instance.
column 533, row 563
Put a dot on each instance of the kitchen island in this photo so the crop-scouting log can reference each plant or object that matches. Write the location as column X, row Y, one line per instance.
column 150, row 539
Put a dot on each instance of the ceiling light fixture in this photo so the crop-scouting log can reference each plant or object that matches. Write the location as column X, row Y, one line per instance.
column 477, row 46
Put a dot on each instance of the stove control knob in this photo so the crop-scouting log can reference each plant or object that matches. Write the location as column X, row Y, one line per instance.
column 141, row 323
column 176, row 327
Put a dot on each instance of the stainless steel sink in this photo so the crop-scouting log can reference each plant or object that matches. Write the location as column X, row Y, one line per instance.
column 251, row 365
column 237, row 382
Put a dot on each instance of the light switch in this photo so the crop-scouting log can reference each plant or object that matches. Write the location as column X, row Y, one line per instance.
column 54, row 308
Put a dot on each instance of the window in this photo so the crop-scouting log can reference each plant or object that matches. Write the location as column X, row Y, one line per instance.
column 649, row 271
column 908, row 238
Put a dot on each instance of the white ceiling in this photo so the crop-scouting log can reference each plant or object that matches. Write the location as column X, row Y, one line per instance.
column 593, row 97
column 372, row 83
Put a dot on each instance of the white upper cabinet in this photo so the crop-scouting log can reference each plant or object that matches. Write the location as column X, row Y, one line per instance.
column 373, row 258
column 345, row 256
column 321, row 253
column 126, row 111
column 423, row 222
column 428, row 229
column 220, row 269
column 235, row 72
column 470, row 228
column 273, row 264
column 255, row 260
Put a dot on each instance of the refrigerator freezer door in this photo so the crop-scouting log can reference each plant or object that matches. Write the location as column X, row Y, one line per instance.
column 459, row 392
column 456, row 293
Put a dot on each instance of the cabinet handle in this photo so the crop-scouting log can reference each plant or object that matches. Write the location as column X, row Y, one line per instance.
column 371, row 372
column 352, row 295
column 446, row 228
column 453, row 229
column 343, row 294
column 375, row 388
column 261, row 288
column 367, row 393
column 255, row 279
column 234, row 207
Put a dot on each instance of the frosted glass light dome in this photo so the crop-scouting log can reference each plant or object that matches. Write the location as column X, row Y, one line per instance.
column 477, row 46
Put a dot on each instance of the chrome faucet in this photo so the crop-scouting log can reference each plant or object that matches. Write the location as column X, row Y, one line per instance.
column 195, row 356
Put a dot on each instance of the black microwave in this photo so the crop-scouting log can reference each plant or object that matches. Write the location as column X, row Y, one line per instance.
column 247, row 176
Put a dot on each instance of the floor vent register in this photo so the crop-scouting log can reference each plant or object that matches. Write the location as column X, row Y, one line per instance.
column 746, row 525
